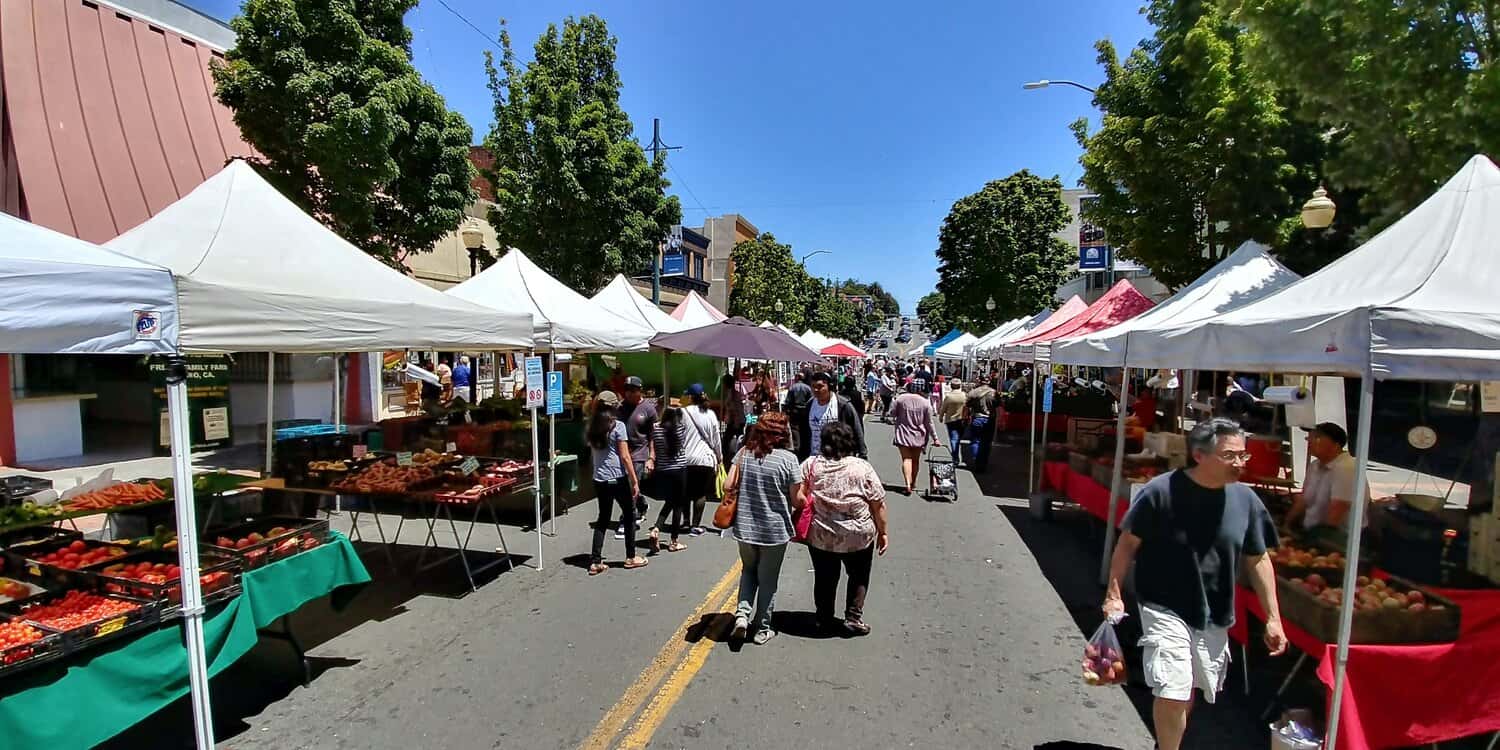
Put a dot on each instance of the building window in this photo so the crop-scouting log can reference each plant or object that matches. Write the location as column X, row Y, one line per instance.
column 698, row 267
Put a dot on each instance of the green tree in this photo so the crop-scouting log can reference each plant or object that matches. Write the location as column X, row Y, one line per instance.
column 1000, row 243
column 326, row 92
column 573, row 188
column 766, row 273
column 933, row 309
column 1197, row 151
column 834, row 316
column 1408, row 91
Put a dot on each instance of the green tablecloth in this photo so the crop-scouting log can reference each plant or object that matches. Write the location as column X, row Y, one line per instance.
column 105, row 692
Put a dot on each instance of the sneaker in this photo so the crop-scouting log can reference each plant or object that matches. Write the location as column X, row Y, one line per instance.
column 741, row 624
column 698, row 531
column 763, row 635
column 619, row 532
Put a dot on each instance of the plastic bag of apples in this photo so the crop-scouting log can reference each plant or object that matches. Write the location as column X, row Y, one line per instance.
column 1103, row 660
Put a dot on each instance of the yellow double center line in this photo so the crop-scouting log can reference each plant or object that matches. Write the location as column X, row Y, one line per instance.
column 663, row 681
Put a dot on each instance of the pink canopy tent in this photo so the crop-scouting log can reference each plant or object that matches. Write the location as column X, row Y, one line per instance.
column 1121, row 303
column 694, row 311
column 1060, row 317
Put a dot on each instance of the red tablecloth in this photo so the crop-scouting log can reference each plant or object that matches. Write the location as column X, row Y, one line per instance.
column 1091, row 495
column 1399, row 696
column 1021, row 422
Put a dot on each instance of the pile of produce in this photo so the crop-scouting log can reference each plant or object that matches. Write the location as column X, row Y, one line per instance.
column 253, row 537
column 76, row 609
column 28, row 512
column 17, row 633
column 431, row 457
column 163, row 573
column 11, row 590
column 1291, row 555
column 80, row 554
column 509, row 468
column 117, row 495
column 1373, row 594
column 327, row 465
column 387, row 477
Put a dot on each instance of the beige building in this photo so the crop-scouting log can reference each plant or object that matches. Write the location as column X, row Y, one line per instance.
column 723, row 233
column 1091, row 285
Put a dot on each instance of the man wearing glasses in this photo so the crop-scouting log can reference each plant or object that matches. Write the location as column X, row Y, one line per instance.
column 1189, row 534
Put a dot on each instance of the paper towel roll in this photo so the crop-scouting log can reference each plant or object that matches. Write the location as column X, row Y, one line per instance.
column 1285, row 394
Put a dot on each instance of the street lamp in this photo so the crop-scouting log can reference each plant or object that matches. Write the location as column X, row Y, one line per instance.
column 473, row 238
column 1044, row 83
column 811, row 254
column 1318, row 211
column 989, row 304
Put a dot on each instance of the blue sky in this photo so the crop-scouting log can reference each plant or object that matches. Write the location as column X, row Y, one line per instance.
column 844, row 126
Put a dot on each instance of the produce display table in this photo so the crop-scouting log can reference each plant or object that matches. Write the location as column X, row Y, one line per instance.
column 114, row 688
column 1406, row 695
column 1020, row 421
column 1090, row 495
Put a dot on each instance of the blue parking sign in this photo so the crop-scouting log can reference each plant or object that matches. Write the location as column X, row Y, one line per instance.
column 554, row 392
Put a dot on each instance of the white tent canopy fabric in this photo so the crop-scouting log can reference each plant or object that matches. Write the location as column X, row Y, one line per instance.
column 623, row 299
column 60, row 295
column 1246, row 275
column 957, row 348
column 993, row 342
column 994, row 333
column 256, row 273
column 816, row 341
column 695, row 312
column 779, row 327
column 564, row 319
column 1416, row 302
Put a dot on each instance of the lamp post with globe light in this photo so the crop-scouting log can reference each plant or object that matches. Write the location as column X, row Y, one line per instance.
column 473, row 239
column 1319, row 210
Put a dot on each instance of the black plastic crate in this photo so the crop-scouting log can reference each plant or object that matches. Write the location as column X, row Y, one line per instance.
column 29, row 556
column 144, row 615
column 32, row 535
column 218, row 574
column 23, row 656
column 298, row 535
column 16, row 487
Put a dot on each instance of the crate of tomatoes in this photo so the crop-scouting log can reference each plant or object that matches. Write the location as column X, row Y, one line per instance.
column 84, row 618
column 57, row 560
column 264, row 541
column 155, row 576
column 24, row 645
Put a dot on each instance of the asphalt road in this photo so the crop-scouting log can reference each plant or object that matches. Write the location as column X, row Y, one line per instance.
column 972, row 648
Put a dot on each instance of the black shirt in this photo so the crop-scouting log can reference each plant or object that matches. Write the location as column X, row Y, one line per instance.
column 922, row 379
column 1192, row 542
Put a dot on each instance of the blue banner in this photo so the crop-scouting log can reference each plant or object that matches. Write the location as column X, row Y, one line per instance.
column 1093, row 258
column 1047, row 397
column 554, row 392
column 674, row 264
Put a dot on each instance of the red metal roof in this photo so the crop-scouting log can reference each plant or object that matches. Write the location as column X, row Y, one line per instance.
column 108, row 118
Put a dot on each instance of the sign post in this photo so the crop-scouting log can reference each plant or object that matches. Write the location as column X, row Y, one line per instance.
column 535, row 397
column 554, row 408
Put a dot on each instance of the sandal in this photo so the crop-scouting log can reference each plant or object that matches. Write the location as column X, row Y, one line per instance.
column 655, row 540
column 597, row 568
column 676, row 546
column 636, row 562
column 857, row 627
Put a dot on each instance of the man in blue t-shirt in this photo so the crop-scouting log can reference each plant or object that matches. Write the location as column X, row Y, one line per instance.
column 1189, row 533
column 463, row 381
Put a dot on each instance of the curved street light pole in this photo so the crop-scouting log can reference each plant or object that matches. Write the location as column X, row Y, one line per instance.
column 1044, row 83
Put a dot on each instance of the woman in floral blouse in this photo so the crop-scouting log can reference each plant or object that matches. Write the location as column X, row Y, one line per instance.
column 848, row 526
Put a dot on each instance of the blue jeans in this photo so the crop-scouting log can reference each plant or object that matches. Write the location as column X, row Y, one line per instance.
column 955, row 436
column 980, row 436
column 760, row 571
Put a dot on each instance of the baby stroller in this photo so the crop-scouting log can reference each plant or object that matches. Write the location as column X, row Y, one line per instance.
column 942, row 474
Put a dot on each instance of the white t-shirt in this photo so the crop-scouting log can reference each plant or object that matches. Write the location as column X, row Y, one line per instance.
column 1324, row 483
column 819, row 415
column 702, row 445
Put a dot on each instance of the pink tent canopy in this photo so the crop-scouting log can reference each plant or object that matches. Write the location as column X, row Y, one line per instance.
column 1121, row 303
column 694, row 311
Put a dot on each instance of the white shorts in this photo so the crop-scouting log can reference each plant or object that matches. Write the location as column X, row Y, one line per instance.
column 1178, row 658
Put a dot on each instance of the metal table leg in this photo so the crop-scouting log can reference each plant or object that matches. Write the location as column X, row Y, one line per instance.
column 1276, row 699
column 287, row 634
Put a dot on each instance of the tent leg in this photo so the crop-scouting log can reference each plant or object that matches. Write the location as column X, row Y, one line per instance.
column 1351, row 571
column 1116, row 478
column 1031, row 450
column 187, row 551
column 338, row 403
column 552, row 457
column 270, row 407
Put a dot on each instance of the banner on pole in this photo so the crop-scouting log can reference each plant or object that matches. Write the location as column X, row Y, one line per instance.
column 554, row 392
column 1047, row 396
column 536, row 392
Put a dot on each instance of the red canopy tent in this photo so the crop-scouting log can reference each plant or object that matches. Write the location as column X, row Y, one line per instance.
column 840, row 349
column 1121, row 303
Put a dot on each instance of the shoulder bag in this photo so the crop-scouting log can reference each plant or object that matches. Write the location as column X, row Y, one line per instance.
column 724, row 514
column 802, row 517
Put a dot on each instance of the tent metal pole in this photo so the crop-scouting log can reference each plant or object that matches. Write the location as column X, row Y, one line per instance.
column 1351, row 569
column 1116, row 477
column 338, row 403
column 536, row 481
column 552, row 453
column 187, row 551
column 1031, row 449
column 270, row 407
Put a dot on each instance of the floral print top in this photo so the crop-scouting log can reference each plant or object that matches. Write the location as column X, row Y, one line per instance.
column 843, row 494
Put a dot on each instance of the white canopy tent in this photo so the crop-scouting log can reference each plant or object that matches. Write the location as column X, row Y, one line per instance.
column 562, row 318
column 695, row 312
column 256, row 274
column 623, row 299
column 957, row 348
column 1416, row 302
column 815, row 341
column 1246, row 275
column 995, row 333
column 60, row 295
column 779, row 327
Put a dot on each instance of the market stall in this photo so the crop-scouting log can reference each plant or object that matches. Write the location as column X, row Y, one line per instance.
column 1416, row 302
column 694, row 311
column 565, row 322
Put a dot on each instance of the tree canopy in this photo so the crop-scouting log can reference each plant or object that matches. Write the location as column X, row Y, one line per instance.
column 933, row 309
column 1000, row 243
column 764, row 273
column 573, row 188
column 1407, row 92
column 325, row 91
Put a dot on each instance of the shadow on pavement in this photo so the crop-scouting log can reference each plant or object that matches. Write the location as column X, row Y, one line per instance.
column 1070, row 745
column 800, row 625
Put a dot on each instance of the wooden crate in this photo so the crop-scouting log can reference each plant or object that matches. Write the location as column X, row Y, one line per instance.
column 1087, row 429
column 1382, row 626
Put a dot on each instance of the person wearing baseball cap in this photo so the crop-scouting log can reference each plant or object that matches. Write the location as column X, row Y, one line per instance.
column 639, row 416
column 1328, row 492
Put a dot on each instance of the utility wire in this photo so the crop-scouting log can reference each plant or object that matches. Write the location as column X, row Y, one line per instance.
column 471, row 25
column 686, row 187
